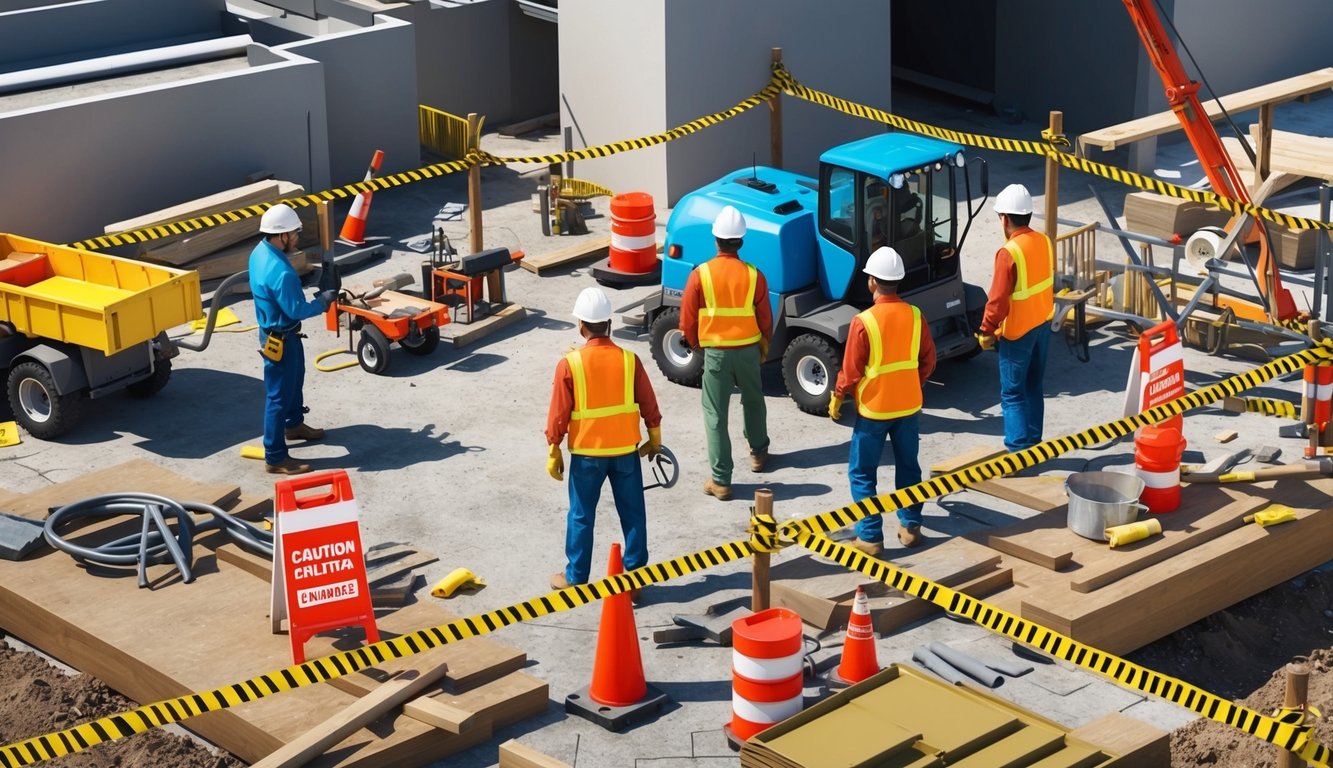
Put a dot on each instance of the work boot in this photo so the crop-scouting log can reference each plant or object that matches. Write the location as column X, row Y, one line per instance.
column 288, row 466
column 910, row 536
column 717, row 490
column 303, row 431
column 758, row 459
column 872, row 548
column 558, row 580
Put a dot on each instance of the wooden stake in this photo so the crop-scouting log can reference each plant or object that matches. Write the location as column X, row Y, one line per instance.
column 775, row 121
column 1298, row 686
column 474, row 184
column 1057, row 127
column 1264, row 152
column 759, row 597
column 325, row 218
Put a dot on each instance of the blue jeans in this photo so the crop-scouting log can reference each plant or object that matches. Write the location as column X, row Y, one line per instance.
column 586, row 475
column 284, row 405
column 1022, row 368
column 863, row 464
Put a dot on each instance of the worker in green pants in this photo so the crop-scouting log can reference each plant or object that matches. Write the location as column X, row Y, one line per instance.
column 725, row 312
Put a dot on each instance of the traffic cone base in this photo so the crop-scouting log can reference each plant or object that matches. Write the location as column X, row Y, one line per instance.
column 615, row 718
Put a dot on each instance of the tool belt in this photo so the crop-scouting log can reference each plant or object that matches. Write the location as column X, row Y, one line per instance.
column 274, row 342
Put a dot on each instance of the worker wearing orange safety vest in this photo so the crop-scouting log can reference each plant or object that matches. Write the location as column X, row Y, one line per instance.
column 725, row 312
column 889, row 355
column 599, row 395
column 1018, row 311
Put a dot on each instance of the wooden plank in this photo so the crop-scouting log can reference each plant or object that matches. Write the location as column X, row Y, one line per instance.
column 460, row 335
column 1274, row 183
column 1301, row 155
column 515, row 754
column 1156, row 601
column 1136, row 743
column 226, row 200
column 258, row 566
column 584, row 250
column 366, row 710
column 888, row 617
column 1039, row 493
column 139, row 475
column 1165, row 122
column 514, row 697
column 394, row 568
column 527, row 126
column 963, row 460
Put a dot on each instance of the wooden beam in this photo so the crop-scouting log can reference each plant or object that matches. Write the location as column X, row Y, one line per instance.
column 759, row 581
column 1263, row 155
column 365, row 711
column 581, row 250
column 514, row 754
column 474, row 185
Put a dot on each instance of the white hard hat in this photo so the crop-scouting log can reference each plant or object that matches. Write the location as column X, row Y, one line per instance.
column 729, row 224
column 885, row 264
column 278, row 219
column 1014, row 199
column 592, row 306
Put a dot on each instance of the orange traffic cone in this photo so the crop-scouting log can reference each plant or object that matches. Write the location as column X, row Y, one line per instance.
column 859, row 659
column 618, row 692
column 354, row 228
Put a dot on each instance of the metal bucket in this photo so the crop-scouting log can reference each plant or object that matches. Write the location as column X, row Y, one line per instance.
column 1100, row 500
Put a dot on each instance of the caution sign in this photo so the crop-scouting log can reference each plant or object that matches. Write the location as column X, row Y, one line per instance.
column 319, row 567
column 1157, row 372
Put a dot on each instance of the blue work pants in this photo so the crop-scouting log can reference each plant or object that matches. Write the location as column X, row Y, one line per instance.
column 868, row 436
column 284, row 405
column 1022, row 370
column 586, row 475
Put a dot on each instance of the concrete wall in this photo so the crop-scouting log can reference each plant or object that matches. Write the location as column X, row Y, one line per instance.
column 129, row 160
column 371, row 97
column 1241, row 44
column 56, row 34
column 680, row 63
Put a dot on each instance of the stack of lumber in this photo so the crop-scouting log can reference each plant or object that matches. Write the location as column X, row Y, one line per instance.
column 222, row 250
column 1149, row 213
column 215, row 631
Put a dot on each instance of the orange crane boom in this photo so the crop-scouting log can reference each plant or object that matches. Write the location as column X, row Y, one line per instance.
column 1182, row 94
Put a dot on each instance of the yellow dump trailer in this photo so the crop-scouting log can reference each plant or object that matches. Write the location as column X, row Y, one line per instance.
column 76, row 324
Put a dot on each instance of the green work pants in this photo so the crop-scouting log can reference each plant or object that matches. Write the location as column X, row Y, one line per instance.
column 725, row 368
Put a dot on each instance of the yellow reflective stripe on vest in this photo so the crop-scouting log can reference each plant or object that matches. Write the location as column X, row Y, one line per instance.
column 581, row 411
column 1021, row 288
column 875, row 364
column 709, row 310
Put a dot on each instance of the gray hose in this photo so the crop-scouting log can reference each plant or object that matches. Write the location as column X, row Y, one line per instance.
column 215, row 306
column 973, row 667
column 930, row 661
column 155, row 542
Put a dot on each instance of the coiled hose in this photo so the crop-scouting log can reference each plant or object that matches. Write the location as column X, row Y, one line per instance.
column 155, row 542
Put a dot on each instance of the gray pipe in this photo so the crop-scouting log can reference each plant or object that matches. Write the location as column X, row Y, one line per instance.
column 930, row 661
column 123, row 63
column 969, row 665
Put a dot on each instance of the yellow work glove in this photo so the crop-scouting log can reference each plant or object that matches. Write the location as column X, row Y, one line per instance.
column 555, row 465
column 986, row 341
column 1271, row 515
column 763, row 348
column 654, row 444
column 835, row 407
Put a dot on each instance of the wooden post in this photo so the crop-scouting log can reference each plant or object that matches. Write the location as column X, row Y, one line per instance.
column 1298, row 685
column 325, row 218
column 775, row 121
column 474, row 184
column 1057, row 128
column 1264, row 151
column 759, row 597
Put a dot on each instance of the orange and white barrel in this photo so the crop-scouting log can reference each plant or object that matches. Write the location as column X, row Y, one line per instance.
column 766, row 671
column 1157, row 452
column 633, row 233
column 1323, row 395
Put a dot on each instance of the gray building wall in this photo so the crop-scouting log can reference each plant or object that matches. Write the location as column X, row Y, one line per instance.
column 370, row 92
column 1241, row 43
column 60, row 33
column 629, row 69
column 102, row 159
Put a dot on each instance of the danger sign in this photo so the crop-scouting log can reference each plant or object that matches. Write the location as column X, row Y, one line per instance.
column 1157, row 372
column 319, row 568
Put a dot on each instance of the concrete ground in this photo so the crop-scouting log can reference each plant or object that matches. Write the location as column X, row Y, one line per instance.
column 446, row 453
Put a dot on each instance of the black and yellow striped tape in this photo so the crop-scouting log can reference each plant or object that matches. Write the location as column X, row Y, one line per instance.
column 1044, row 451
column 1291, row 735
column 149, row 716
column 1270, row 407
column 1045, row 149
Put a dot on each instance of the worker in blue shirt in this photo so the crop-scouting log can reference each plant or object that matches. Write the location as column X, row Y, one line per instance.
column 279, row 309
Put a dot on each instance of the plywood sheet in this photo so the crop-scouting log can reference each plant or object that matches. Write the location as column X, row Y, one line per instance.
column 582, row 250
column 1039, row 493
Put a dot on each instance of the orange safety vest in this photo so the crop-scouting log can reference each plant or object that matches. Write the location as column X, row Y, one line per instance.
column 605, row 420
column 890, row 388
column 727, row 318
column 1032, row 302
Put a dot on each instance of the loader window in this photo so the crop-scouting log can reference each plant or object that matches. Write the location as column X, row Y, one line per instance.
column 839, row 225
column 942, row 214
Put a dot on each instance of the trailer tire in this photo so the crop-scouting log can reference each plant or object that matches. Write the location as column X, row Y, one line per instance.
column 430, row 339
column 154, row 383
column 674, row 357
column 810, row 369
column 373, row 350
column 37, row 408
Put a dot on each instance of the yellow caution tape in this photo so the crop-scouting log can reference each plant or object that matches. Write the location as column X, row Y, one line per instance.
column 1270, row 407
column 578, row 189
column 1293, row 737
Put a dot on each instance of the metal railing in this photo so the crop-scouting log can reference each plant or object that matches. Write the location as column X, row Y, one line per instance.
column 442, row 133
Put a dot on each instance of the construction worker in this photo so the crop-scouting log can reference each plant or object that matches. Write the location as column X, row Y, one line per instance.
column 279, row 309
column 725, row 311
column 889, row 355
column 1018, row 311
column 599, row 394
